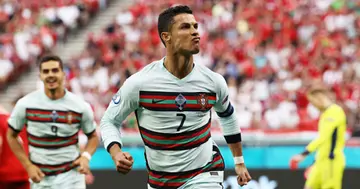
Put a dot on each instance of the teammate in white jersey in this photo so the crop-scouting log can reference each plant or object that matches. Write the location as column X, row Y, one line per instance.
column 53, row 117
column 172, row 99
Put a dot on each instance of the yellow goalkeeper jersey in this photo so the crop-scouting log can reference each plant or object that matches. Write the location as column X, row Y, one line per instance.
column 330, row 142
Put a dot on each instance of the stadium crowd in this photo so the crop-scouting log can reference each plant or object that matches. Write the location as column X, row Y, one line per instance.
column 268, row 52
column 30, row 28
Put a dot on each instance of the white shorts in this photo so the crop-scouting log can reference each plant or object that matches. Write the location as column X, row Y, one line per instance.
column 68, row 180
column 207, row 180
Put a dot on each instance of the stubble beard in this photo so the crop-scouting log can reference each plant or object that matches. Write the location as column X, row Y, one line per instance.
column 53, row 91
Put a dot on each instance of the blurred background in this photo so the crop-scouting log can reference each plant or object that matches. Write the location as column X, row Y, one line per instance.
column 269, row 51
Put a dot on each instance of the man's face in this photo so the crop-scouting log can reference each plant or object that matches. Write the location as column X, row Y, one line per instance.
column 184, row 35
column 52, row 75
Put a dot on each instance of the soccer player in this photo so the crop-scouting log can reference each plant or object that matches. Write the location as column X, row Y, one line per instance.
column 12, row 173
column 327, row 171
column 172, row 99
column 53, row 118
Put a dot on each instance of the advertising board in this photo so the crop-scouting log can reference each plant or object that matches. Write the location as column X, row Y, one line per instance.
column 262, row 179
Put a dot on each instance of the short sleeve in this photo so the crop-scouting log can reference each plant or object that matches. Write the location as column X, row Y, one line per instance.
column 88, row 124
column 17, row 118
column 222, row 106
column 124, row 102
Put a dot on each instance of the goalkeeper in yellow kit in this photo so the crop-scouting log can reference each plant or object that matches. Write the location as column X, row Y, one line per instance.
column 327, row 171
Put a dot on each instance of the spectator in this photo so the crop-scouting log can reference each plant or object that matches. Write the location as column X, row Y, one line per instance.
column 273, row 116
column 354, row 121
column 268, row 51
column 29, row 29
column 333, row 75
column 6, row 67
column 289, row 114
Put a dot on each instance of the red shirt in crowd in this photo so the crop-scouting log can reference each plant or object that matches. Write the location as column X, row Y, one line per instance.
column 10, row 167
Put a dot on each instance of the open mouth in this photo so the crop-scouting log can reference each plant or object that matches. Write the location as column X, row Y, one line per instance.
column 51, row 81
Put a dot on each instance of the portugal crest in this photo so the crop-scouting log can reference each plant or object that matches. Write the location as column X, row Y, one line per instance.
column 69, row 118
column 203, row 101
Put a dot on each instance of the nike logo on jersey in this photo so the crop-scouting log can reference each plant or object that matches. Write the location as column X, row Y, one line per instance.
column 156, row 101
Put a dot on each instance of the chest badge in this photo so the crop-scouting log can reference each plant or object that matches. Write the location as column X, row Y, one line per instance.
column 180, row 101
column 69, row 118
column 54, row 115
column 203, row 101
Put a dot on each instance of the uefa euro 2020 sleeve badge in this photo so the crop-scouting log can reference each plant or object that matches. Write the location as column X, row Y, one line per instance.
column 203, row 101
column 116, row 98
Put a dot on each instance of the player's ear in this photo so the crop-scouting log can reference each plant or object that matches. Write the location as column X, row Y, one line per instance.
column 40, row 75
column 165, row 36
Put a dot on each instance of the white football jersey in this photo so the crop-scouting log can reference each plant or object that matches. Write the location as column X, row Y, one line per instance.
column 174, row 119
column 52, row 128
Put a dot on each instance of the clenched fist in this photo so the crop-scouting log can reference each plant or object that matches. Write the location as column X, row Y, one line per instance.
column 123, row 162
column 243, row 174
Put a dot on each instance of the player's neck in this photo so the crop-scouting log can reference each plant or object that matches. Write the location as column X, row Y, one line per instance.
column 178, row 65
column 55, row 94
column 327, row 104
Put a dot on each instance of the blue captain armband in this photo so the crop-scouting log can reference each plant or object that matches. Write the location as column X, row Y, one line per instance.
column 228, row 112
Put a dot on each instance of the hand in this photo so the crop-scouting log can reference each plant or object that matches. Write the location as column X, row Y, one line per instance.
column 307, row 172
column 89, row 178
column 35, row 174
column 243, row 176
column 123, row 162
column 83, row 165
column 298, row 158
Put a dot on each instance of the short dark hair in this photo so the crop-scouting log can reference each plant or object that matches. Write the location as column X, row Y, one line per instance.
column 318, row 89
column 166, row 18
column 50, row 57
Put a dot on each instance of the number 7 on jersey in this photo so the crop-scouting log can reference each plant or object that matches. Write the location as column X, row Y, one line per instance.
column 182, row 120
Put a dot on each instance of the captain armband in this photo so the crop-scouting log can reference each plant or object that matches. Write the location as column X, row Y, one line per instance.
column 228, row 112
column 231, row 139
